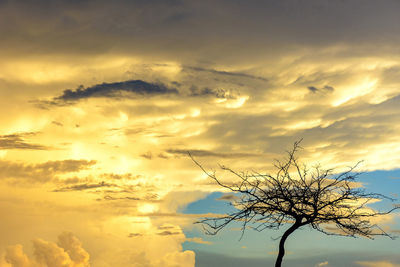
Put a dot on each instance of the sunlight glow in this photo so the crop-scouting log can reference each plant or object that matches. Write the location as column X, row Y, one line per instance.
column 304, row 124
column 353, row 91
column 236, row 103
column 147, row 208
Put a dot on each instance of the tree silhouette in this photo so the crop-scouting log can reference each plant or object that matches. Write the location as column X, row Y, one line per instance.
column 334, row 204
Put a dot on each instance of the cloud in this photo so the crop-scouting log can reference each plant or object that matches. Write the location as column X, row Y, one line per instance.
column 116, row 176
column 68, row 252
column 377, row 264
column 86, row 186
column 50, row 254
column 184, row 259
column 218, row 93
column 147, row 155
column 91, row 42
column 135, row 234
column 326, row 88
column 178, row 200
column 112, row 90
column 18, row 141
column 207, row 153
column 41, row 172
column 73, row 246
column 57, row 123
column 166, row 233
column 108, row 197
column 16, row 257
column 226, row 73
column 198, row 240
column 171, row 259
column 227, row 197
column 325, row 263
column 93, row 28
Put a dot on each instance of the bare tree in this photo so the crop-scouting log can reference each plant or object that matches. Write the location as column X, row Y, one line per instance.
column 334, row 204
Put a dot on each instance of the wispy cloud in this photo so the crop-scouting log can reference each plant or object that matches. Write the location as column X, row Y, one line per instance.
column 41, row 172
column 198, row 240
column 226, row 73
column 86, row 186
column 207, row 153
column 167, row 232
column 18, row 141
column 227, row 197
column 326, row 88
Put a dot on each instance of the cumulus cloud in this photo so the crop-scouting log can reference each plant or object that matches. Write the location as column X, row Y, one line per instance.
column 50, row 254
column 68, row 252
column 73, row 246
column 16, row 257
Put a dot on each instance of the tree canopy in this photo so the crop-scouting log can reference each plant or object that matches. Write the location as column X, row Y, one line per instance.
column 296, row 195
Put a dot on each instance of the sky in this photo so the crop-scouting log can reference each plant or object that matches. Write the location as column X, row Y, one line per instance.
column 101, row 100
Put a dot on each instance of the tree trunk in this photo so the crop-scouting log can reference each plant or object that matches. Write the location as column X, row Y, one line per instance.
column 281, row 253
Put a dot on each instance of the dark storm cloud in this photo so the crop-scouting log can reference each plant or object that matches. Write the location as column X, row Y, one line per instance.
column 207, row 153
column 115, row 89
column 201, row 30
column 18, row 141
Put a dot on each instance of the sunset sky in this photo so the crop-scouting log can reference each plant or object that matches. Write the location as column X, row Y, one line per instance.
column 101, row 100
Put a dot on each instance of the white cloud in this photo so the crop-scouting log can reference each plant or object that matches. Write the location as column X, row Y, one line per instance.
column 67, row 253
column 175, row 259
